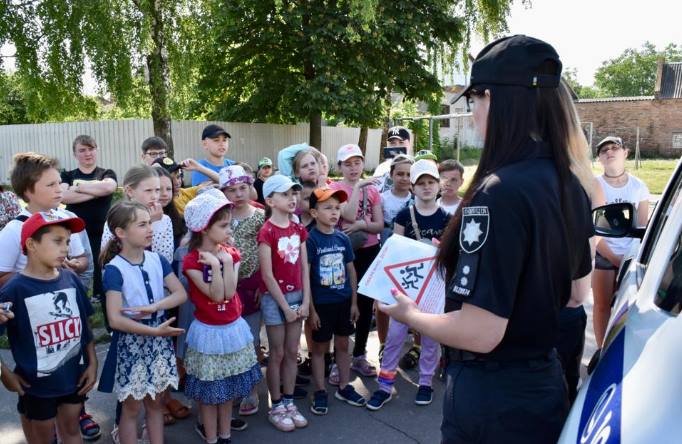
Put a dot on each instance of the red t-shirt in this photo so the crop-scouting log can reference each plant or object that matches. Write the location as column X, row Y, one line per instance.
column 207, row 311
column 285, row 244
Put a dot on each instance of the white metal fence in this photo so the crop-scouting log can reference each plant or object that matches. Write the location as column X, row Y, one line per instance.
column 120, row 140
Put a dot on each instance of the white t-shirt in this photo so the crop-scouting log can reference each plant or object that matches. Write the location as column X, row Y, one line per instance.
column 450, row 209
column 12, row 259
column 392, row 205
column 162, row 241
column 634, row 191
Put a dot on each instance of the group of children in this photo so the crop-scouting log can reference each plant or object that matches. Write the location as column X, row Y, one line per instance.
column 297, row 259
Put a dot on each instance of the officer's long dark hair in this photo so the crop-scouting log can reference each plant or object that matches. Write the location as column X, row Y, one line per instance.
column 515, row 113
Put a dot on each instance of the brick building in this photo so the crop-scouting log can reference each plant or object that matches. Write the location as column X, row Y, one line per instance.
column 659, row 117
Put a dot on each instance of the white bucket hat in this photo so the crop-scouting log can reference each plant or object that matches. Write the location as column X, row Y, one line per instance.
column 200, row 210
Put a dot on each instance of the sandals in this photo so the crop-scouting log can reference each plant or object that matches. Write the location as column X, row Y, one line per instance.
column 411, row 358
column 248, row 406
column 177, row 409
column 90, row 430
column 263, row 356
column 168, row 418
column 362, row 366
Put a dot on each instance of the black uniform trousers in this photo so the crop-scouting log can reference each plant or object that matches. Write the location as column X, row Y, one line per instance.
column 572, row 323
column 493, row 402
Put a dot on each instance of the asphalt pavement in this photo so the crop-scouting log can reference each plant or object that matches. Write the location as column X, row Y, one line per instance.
column 399, row 421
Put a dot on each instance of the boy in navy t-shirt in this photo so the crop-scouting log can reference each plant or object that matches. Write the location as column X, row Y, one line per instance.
column 51, row 343
column 333, row 284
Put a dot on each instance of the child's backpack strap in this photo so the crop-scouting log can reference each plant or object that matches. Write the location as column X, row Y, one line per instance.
column 415, row 227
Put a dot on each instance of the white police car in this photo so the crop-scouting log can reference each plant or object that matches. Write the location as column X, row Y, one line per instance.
column 634, row 394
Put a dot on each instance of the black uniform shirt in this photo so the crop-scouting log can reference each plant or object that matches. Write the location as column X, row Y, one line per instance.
column 520, row 248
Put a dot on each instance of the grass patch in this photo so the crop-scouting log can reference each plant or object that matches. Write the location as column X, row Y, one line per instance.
column 97, row 319
column 103, row 338
column 654, row 172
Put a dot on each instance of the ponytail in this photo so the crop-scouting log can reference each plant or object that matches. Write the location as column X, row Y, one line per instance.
column 120, row 215
column 111, row 249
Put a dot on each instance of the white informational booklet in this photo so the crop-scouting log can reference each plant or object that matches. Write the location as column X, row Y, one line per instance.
column 409, row 266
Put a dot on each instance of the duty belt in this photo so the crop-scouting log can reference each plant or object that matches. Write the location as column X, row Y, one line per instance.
column 468, row 358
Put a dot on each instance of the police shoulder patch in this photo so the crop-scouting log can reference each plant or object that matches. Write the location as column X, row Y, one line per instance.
column 473, row 231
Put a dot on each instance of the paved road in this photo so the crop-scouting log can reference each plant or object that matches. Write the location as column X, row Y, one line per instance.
column 400, row 421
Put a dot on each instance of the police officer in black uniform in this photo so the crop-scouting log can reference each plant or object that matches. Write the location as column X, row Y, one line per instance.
column 519, row 239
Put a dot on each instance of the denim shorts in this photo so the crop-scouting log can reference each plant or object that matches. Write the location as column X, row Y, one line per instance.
column 601, row 263
column 254, row 321
column 272, row 315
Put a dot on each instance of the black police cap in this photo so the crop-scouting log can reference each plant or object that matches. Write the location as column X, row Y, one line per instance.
column 516, row 60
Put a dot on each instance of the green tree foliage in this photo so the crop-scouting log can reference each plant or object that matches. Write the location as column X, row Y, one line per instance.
column 570, row 76
column 633, row 73
column 12, row 104
column 52, row 39
column 286, row 61
column 18, row 104
column 131, row 47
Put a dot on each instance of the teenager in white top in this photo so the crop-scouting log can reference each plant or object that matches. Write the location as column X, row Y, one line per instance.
column 618, row 186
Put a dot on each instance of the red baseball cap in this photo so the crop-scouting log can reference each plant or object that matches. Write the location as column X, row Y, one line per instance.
column 42, row 219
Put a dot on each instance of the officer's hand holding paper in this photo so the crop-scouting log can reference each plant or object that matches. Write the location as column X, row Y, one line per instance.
column 408, row 266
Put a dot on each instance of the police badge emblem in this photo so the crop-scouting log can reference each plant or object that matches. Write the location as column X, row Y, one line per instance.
column 474, row 229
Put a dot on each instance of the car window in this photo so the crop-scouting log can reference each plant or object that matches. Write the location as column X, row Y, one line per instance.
column 660, row 217
column 669, row 293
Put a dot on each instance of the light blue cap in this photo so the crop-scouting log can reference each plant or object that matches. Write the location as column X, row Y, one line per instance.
column 279, row 183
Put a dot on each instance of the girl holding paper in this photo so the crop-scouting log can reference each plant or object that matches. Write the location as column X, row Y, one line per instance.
column 423, row 220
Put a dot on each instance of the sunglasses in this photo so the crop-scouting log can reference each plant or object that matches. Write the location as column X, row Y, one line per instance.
column 470, row 95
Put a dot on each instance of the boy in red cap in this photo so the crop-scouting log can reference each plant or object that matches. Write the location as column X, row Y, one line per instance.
column 58, row 367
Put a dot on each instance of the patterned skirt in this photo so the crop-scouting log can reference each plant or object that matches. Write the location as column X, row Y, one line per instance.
column 220, row 362
column 145, row 365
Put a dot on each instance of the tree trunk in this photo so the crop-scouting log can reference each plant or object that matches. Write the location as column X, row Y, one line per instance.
column 159, row 76
column 314, row 115
column 362, row 140
column 386, row 125
column 315, row 137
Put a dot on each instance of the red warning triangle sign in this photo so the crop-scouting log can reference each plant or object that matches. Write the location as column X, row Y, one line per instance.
column 412, row 277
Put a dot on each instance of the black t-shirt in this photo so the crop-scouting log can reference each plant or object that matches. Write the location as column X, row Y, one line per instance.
column 430, row 227
column 258, row 185
column 520, row 250
column 94, row 211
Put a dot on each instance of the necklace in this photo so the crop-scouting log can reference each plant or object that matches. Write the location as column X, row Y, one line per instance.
column 616, row 176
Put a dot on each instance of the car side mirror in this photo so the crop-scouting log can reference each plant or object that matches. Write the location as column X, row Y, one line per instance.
column 616, row 220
